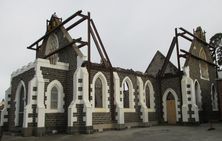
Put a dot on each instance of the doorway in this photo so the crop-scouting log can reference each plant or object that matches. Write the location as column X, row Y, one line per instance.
column 171, row 109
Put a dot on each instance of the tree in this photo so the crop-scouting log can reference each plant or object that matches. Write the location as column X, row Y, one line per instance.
column 216, row 42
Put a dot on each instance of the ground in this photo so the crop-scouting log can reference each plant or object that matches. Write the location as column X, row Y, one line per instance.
column 154, row 133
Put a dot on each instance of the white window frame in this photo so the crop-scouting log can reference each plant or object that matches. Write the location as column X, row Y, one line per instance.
column 105, row 94
column 17, row 101
column 60, row 108
column 164, row 99
column 152, row 98
column 131, row 95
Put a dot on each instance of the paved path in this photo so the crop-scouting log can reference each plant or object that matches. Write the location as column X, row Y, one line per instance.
column 155, row 133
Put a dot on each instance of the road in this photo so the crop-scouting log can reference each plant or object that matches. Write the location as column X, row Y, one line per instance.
column 154, row 133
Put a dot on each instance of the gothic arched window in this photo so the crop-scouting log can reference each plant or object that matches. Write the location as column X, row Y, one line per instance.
column 126, row 95
column 203, row 65
column 98, row 93
column 147, row 94
column 54, row 98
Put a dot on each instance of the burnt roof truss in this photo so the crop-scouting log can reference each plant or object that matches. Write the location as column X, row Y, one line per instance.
column 187, row 36
column 91, row 32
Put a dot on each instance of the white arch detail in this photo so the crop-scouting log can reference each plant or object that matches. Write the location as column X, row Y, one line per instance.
column 105, row 94
column 17, row 101
column 152, row 98
column 131, row 94
column 58, row 85
column 164, row 99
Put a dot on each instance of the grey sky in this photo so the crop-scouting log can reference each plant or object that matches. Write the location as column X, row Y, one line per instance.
column 132, row 30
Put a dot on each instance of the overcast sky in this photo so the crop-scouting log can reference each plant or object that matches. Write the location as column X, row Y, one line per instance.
column 131, row 30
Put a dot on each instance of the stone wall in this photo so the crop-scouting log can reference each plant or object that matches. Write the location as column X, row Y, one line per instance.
column 25, row 77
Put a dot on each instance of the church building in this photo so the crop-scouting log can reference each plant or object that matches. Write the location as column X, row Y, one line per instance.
column 63, row 91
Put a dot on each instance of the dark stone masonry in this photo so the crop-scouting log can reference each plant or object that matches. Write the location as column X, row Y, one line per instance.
column 63, row 92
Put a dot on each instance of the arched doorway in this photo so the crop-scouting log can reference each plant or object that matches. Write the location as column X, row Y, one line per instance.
column 171, row 108
column 20, row 104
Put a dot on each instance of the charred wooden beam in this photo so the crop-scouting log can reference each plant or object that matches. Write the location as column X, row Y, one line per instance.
column 76, row 23
column 183, row 56
column 89, row 53
column 189, row 39
column 53, row 30
column 101, row 43
column 167, row 59
column 59, row 49
column 200, row 40
column 82, row 45
column 177, row 47
column 196, row 57
column 97, row 45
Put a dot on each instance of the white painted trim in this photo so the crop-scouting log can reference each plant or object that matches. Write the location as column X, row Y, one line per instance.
column 87, row 106
column 105, row 94
column 58, row 85
column 80, row 73
column 118, row 103
column 28, row 108
column 144, row 109
column 152, row 98
column 40, row 83
column 131, row 94
column 46, row 63
column 186, row 80
column 80, row 60
column 164, row 104
column 17, row 101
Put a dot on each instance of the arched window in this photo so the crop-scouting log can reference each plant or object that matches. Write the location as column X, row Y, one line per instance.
column 126, row 95
column 147, row 92
column 54, row 98
column 203, row 65
column 98, row 93
column 51, row 45
column 198, row 95
column 20, row 103
column 149, row 96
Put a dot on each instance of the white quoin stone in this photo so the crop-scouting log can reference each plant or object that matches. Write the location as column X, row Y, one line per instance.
column 40, row 92
column 28, row 107
column 81, row 73
column 143, row 109
column 87, row 105
column 186, row 80
column 119, row 105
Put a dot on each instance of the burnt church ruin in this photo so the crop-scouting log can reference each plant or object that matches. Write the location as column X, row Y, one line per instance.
column 64, row 91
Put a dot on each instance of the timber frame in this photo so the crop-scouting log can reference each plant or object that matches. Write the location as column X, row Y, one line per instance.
column 184, row 54
column 91, row 33
column 106, row 63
